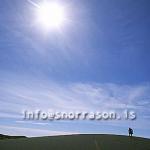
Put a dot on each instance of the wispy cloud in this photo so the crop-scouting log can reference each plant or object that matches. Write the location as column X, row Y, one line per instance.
column 12, row 130
column 16, row 97
column 32, row 95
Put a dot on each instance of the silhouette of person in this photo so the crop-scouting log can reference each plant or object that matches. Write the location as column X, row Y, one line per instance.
column 130, row 132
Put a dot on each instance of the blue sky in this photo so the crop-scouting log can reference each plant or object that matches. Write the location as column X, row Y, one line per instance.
column 98, row 60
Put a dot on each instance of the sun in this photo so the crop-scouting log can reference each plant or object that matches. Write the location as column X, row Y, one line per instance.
column 50, row 15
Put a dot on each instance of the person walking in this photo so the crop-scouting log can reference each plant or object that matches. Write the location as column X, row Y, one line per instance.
column 130, row 132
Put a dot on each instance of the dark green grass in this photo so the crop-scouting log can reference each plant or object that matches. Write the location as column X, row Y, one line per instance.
column 77, row 142
column 3, row 137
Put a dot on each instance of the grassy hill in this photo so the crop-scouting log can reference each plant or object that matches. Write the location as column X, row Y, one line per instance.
column 3, row 137
column 77, row 142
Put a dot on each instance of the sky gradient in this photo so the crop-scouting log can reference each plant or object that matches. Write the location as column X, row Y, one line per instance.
column 98, row 60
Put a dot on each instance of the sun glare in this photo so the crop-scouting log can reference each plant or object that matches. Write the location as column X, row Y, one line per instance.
column 50, row 15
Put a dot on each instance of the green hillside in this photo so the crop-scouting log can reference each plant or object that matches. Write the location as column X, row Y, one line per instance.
column 77, row 142
column 2, row 137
